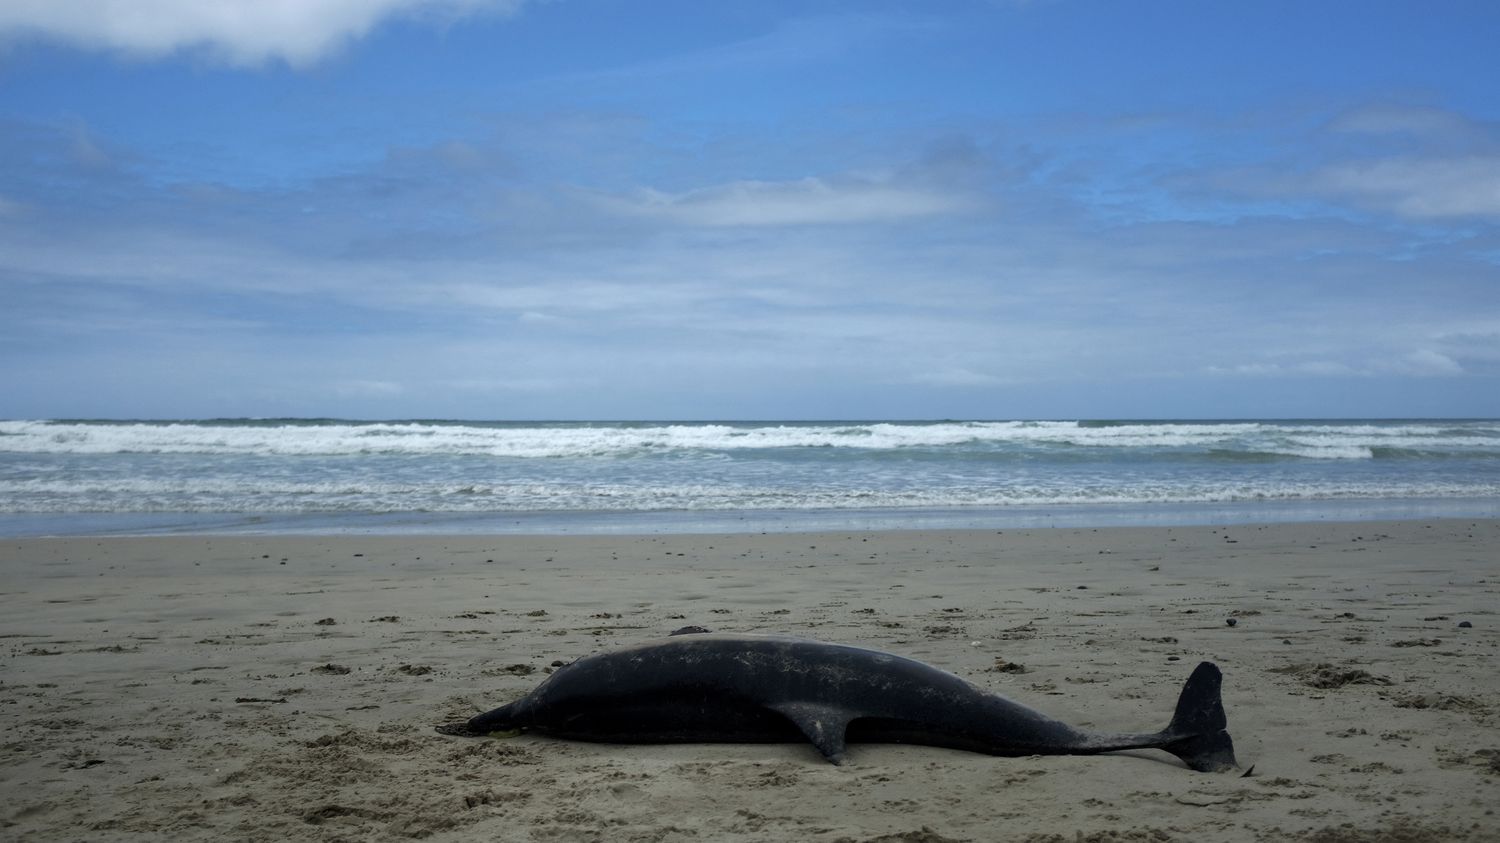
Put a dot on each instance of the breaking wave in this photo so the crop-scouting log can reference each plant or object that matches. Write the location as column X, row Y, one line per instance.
column 1227, row 440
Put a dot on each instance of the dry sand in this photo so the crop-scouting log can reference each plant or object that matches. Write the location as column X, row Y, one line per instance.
column 268, row 688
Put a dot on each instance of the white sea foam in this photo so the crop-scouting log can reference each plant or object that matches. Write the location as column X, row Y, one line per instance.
column 1326, row 441
column 272, row 495
column 507, row 440
column 238, row 467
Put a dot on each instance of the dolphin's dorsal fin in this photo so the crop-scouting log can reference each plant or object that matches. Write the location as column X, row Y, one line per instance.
column 824, row 725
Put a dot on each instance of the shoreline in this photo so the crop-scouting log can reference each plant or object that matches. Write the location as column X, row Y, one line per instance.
column 668, row 522
column 271, row 686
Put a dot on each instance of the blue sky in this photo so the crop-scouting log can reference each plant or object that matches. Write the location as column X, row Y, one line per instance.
column 612, row 209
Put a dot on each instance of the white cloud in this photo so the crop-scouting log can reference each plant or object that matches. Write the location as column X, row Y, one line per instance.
column 959, row 377
column 1422, row 363
column 809, row 201
column 1309, row 368
column 1426, row 363
column 245, row 32
column 536, row 384
column 367, row 388
column 1476, row 341
column 1422, row 188
column 1385, row 119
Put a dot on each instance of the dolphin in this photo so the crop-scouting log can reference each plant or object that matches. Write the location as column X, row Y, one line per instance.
column 734, row 688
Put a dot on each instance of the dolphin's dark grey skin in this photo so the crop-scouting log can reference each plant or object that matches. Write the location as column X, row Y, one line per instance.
column 724, row 688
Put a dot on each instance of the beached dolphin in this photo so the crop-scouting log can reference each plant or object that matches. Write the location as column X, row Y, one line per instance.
column 726, row 688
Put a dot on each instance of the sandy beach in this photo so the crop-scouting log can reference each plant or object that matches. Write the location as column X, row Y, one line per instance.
column 286, row 687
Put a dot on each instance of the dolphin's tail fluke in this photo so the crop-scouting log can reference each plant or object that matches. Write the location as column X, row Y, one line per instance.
column 1198, row 732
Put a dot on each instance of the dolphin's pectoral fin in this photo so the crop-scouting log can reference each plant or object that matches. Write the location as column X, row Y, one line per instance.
column 822, row 724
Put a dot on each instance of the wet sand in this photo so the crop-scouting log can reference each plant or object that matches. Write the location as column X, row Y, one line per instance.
column 266, row 688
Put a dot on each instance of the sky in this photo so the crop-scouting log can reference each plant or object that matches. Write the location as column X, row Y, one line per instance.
column 826, row 209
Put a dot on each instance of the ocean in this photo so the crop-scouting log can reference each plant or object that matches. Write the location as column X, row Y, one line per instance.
column 317, row 475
